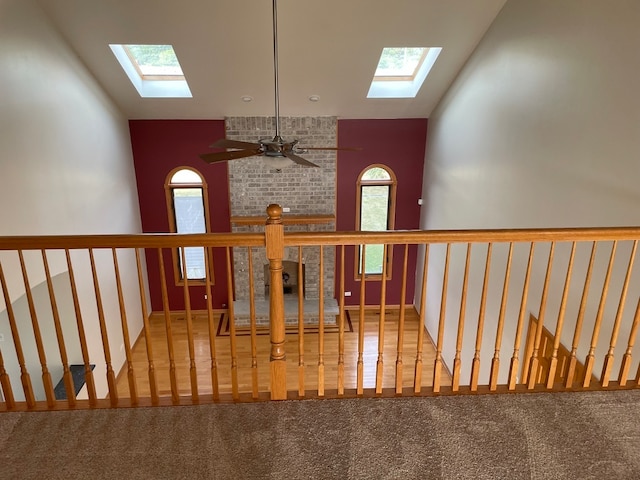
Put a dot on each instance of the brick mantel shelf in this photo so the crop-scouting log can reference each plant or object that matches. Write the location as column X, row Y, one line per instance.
column 286, row 220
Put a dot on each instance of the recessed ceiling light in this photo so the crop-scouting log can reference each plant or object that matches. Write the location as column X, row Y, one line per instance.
column 314, row 98
column 247, row 98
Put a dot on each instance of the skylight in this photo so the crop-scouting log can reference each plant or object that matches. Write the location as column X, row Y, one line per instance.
column 155, row 60
column 154, row 70
column 401, row 71
column 400, row 62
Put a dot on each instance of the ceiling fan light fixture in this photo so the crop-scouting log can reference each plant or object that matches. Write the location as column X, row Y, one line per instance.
column 246, row 98
column 277, row 163
column 314, row 98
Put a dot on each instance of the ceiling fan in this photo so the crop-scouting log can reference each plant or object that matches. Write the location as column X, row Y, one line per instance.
column 270, row 148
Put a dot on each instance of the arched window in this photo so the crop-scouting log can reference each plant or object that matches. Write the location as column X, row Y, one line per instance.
column 375, row 212
column 187, row 206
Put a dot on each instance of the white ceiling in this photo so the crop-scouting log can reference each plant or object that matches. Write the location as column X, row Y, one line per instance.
column 328, row 48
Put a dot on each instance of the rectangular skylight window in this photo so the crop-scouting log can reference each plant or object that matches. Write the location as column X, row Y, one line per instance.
column 400, row 62
column 401, row 71
column 154, row 70
column 155, row 61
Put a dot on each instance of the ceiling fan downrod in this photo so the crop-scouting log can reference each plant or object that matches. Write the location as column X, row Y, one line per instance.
column 275, row 68
column 274, row 149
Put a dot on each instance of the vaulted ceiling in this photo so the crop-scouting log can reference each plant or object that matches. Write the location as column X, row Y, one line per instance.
column 328, row 48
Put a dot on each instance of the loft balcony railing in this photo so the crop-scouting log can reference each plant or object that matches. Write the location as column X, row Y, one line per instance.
column 501, row 310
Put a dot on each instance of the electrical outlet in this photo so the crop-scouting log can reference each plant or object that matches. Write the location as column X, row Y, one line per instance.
column 347, row 294
column 286, row 209
column 1, row 337
column 205, row 296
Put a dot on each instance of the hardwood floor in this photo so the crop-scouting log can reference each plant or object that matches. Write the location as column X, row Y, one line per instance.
column 201, row 352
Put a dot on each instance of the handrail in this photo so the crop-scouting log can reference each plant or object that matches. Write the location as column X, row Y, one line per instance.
column 462, row 236
column 155, row 240
column 141, row 240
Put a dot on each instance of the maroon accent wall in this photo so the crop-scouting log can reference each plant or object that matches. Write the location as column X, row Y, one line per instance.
column 400, row 144
column 158, row 147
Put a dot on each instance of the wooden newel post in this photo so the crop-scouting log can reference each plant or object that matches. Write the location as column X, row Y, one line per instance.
column 274, row 236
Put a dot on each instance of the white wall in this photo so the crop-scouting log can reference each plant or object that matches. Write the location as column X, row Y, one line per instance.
column 65, row 165
column 540, row 129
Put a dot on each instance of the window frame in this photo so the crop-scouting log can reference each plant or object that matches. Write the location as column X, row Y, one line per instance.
column 403, row 77
column 392, row 86
column 163, row 77
column 169, row 187
column 392, row 182
column 150, row 86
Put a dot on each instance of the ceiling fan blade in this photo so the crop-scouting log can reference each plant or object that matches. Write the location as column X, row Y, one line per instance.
column 226, row 143
column 331, row 148
column 299, row 160
column 224, row 156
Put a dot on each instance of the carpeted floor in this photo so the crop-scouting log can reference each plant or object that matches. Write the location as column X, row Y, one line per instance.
column 530, row 436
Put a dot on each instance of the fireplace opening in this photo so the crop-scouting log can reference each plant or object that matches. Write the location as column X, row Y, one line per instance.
column 290, row 280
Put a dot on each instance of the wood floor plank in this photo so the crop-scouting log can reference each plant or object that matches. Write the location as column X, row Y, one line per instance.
column 243, row 350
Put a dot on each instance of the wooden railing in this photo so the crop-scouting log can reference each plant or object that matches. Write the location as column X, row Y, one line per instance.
column 79, row 305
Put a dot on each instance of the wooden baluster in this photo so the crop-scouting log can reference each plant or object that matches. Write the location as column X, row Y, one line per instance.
column 457, row 361
column 5, row 383
column 608, row 359
column 573, row 360
column 321, row 326
column 383, row 306
column 588, row 366
column 437, row 364
column 363, row 278
column 638, row 376
column 341, row 327
column 211, row 324
column 400, row 344
column 301, row 387
column 417, row 377
column 274, row 236
column 46, row 375
column 66, row 372
column 513, row 367
column 553, row 364
column 175, row 394
column 495, row 362
column 111, row 376
column 235, row 391
column 153, row 384
column 252, row 322
column 131, row 377
column 88, row 370
column 535, row 361
column 193, row 373
column 475, row 365
column 25, row 378
column 626, row 359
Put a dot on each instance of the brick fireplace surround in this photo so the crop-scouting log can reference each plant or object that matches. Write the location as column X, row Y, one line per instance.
column 254, row 183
